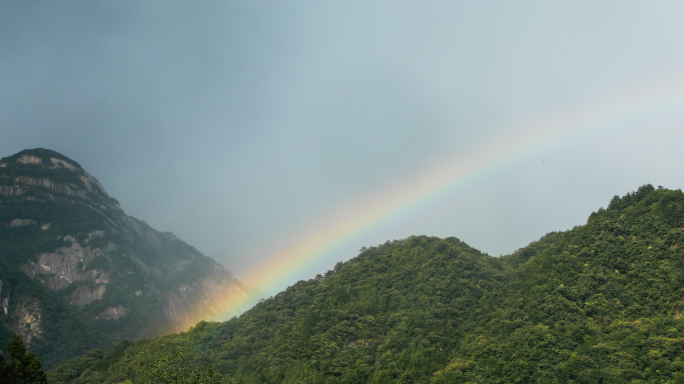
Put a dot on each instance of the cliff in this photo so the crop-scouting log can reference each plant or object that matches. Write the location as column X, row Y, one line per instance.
column 77, row 273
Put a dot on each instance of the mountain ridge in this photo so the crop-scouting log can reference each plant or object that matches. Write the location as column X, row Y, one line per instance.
column 75, row 267
column 600, row 303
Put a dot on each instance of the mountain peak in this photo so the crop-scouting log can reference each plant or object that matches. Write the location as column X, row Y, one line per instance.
column 47, row 168
column 76, row 272
column 43, row 156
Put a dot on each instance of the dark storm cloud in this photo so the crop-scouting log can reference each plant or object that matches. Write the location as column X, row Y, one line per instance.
column 237, row 124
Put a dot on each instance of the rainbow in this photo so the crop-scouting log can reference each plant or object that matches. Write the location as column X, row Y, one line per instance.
column 413, row 195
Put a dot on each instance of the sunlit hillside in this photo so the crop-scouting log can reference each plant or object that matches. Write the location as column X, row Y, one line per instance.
column 598, row 303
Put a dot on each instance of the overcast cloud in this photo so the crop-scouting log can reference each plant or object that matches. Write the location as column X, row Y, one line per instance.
column 240, row 125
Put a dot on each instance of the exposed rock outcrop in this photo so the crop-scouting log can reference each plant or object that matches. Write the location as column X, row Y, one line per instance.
column 59, row 163
column 11, row 191
column 51, row 185
column 67, row 265
column 94, row 234
column 28, row 159
column 27, row 320
column 88, row 179
column 4, row 301
column 84, row 294
column 21, row 222
column 96, row 276
column 113, row 313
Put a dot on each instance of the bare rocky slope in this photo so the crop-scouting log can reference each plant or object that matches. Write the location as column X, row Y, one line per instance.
column 77, row 273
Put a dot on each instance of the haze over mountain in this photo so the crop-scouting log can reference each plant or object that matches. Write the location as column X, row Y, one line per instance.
column 77, row 273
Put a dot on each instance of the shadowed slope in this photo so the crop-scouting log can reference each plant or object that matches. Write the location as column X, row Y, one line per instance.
column 77, row 273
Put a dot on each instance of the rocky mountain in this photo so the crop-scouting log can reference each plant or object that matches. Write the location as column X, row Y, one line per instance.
column 600, row 303
column 77, row 273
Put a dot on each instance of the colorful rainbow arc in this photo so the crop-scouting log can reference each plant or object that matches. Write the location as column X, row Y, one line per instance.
column 459, row 171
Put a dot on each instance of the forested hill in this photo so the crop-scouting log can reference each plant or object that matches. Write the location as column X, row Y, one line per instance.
column 596, row 304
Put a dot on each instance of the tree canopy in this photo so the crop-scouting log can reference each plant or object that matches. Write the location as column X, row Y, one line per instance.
column 22, row 367
column 600, row 303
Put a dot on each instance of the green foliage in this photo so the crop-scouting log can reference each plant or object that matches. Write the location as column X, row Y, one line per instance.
column 364, row 313
column 99, row 263
column 177, row 369
column 64, row 335
column 68, row 372
column 601, row 303
column 19, row 244
column 22, row 367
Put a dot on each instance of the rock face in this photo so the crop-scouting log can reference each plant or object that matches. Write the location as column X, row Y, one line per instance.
column 4, row 302
column 10, row 191
column 57, row 270
column 85, row 295
column 27, row 320
column 77, row 273
column 113, row 313
column 21, row 222
column 28, row 159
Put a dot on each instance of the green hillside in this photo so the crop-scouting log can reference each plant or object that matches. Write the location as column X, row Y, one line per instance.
column 596, row 304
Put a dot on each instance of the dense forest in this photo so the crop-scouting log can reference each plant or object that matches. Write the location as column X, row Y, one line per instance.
column 601, row 303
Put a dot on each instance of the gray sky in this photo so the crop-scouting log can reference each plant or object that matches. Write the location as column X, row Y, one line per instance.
column 240, row 126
